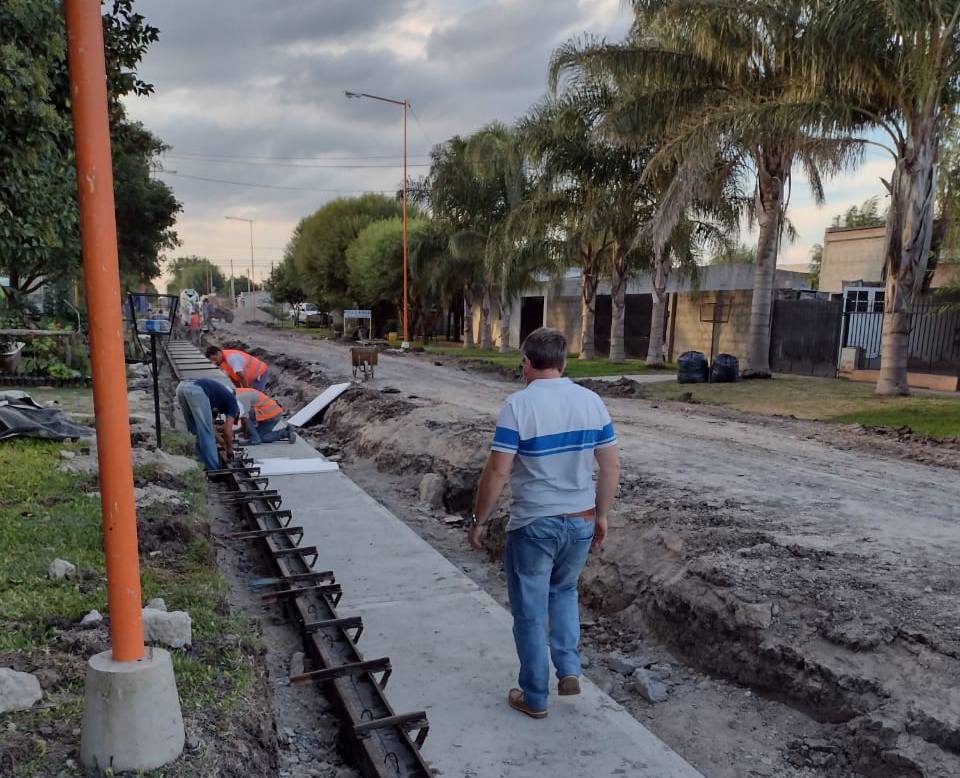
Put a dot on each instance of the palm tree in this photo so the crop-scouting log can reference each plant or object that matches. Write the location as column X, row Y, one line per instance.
column 895, row 63
column 511, row 257
column 461, row 203
column 657, row 217
column 569, row 208
column 717, row 82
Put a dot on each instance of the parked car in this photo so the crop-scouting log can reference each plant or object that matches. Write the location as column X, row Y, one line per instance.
column 301, row 312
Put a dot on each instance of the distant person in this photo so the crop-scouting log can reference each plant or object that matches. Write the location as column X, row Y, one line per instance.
column 206, row 308
column 547, row 438
column 260, row 416
column 195, row 327
column 244, row 369
column 200, row 401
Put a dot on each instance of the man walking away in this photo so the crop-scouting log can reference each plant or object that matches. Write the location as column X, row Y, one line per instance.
column 260, row 416
column 207, row 307
column 242, row 369
column 200, row 401
column 547, row 438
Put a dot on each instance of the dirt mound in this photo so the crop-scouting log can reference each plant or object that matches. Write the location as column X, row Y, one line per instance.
column 622, row 387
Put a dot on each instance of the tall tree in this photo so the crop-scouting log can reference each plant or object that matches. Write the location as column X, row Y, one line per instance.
column 39, row 232
column 720, row 78
column 198, row 273
column 896, row 63
column 319, row 252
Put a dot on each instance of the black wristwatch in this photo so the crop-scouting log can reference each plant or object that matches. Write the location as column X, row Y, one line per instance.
column 473, row 521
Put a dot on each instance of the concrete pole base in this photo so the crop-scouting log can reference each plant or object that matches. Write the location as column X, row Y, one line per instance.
column 131, row 713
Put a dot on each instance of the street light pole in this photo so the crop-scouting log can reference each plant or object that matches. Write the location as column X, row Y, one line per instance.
column 253, row 307
column 406, row 261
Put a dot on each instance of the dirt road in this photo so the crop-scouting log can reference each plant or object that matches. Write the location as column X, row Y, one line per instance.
column 817, row 573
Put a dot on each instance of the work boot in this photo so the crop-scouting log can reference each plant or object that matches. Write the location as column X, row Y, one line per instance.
column 568, row 685
column 516, row 701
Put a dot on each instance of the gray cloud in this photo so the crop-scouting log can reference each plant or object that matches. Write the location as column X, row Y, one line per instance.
column 251, row 79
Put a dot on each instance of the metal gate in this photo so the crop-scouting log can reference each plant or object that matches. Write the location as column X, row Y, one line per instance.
column 934, row 337
column 805, row 336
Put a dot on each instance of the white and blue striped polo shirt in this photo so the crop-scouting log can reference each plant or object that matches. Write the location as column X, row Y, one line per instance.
column 553, row 426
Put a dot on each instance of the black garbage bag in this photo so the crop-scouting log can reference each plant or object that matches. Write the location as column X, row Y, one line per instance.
column 725, row 369
column 20, row 415
column 692, row 368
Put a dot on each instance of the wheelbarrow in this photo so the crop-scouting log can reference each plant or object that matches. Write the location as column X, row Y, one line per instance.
column 363, row 359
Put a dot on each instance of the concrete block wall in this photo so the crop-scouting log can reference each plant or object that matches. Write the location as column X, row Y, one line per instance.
column 691, row 334
column 852, row 255
column 563, row 313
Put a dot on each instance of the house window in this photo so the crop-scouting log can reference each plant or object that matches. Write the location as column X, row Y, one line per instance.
column 878, row 298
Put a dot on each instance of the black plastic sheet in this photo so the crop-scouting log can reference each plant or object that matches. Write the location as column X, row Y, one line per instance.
column 22, row 416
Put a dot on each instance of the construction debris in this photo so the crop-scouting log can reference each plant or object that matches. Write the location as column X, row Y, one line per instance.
column 60, row 569
column 18, row 691
column 171, row 628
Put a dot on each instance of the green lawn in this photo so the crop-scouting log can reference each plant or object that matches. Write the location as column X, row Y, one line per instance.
column 576, row 368
column 46, row 514
column 822, row 398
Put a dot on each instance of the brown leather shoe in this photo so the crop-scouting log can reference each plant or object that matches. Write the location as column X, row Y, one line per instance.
column 568, row 685
column 515, row 700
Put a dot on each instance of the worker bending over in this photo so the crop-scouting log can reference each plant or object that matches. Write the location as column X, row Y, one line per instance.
column 243, row 369
column 260, row 416
column 200, row 401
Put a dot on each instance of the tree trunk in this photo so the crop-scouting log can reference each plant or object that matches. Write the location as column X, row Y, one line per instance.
column 909, row 235
column 661, row 269
column 504, row 312
column 770, row 178
column 618, row 289
column 486, row 305
column 467, row 318
column 588, row 299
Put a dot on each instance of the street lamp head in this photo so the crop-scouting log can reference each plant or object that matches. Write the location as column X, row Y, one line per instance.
column 349, row 94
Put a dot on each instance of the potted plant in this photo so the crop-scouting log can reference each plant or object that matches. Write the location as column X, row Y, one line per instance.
column 9, row 347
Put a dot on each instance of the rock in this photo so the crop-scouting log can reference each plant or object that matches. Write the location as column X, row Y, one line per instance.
column 67, row 454
column 172, row 629
column 452, row 519
column 622, row 664
column 648, row 686
column 661, row 670
column 162, row 462
column 191, row 741
column 753, row 615
column 157, row 604
column 606, row 685
column 585, row 662
column 153, row 495
column 92, row 619
column 296, row 663
column 60, row 569
column 18, row 691
column 432, row 488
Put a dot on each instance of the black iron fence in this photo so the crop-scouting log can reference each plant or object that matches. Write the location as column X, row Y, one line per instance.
column 934, row 337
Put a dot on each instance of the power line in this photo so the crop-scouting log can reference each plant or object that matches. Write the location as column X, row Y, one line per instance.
column 199, row 155
column 293, row 164
column 273, row 186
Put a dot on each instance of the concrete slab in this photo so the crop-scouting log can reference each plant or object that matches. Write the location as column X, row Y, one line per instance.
column 452, row 649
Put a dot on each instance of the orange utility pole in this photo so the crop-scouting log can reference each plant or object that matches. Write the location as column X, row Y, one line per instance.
column 88, row 92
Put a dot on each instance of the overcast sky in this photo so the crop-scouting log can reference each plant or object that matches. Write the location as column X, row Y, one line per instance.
column 249, row 92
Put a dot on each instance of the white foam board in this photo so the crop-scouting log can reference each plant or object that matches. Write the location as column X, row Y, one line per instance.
column 317, row 404
column 284, row 466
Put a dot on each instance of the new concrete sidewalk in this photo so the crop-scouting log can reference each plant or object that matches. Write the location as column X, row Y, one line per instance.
column 452, row 649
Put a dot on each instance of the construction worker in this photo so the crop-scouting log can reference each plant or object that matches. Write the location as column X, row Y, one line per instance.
column 244, row 369
column 260, row 416
column 200, row 402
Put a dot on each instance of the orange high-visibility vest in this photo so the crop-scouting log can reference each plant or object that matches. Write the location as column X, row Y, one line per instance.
column 264, row 407
column 252, row 369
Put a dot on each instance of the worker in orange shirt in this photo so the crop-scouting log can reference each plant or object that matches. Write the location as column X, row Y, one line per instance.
column 243, row 369
column 260, row 416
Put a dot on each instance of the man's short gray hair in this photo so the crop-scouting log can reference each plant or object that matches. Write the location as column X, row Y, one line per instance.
column 546, row 348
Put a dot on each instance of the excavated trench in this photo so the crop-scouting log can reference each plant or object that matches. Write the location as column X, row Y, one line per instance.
column 816, row 630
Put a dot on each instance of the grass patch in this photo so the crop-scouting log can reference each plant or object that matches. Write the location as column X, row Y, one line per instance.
column 45, row 514
column 822, row 398
column 576, row 368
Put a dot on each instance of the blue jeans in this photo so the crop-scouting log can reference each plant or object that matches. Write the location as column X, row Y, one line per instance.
column 199, row 417
column 261, row 383
column 543, row 562
column 264, row 432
